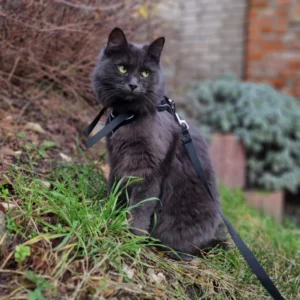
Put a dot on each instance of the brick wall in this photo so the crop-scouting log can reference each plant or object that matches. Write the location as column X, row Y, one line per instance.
column 273, row 47
column 205, row 38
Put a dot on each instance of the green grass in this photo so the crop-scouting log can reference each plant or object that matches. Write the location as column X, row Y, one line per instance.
column 81, row 248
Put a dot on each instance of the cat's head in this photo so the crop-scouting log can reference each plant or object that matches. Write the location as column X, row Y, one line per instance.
column 128, row 77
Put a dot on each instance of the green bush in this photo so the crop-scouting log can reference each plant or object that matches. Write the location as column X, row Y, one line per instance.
column 265, row 120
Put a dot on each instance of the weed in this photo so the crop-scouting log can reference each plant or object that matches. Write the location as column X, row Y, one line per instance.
column 21, row 253
column 41, row 284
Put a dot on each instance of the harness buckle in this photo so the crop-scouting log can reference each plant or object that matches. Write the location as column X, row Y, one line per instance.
column 181, row 122
column 172, row 104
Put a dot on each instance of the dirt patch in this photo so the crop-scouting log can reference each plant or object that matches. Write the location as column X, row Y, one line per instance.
column 43, row 131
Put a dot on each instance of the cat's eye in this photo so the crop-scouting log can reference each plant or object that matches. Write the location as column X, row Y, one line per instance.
column 122, row 69
column 145, row 73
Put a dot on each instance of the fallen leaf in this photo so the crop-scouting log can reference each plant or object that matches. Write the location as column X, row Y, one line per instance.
column 143, row 11
column 9, row 118
column 45, row 183
column 129, row 272
column 34, row 127
column 157, row 278
column 108, row 292
column 6, row 151
column 65, row 157
column 70, row 287
column 6, row 206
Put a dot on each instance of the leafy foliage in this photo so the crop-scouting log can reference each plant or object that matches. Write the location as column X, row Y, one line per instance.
column 21, row 253
column 265, row 120
column 41, row 284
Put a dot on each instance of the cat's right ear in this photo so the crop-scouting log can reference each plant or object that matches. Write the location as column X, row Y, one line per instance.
column 116, row 41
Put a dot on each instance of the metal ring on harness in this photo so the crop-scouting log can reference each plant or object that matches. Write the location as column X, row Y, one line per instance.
column 129, row 118
column 181, row 121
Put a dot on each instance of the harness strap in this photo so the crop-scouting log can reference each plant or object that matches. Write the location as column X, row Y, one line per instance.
column 106, row 130
column 92, row 125
column 115, row 122
column 249, row 257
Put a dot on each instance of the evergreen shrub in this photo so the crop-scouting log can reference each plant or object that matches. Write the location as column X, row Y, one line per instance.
column 265, row 120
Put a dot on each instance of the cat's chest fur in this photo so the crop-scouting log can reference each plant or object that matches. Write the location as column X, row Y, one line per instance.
column 139, row 148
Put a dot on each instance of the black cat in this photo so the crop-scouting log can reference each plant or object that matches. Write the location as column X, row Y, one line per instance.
column 128, row 78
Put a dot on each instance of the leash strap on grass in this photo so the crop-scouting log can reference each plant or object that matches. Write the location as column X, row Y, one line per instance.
column 250, row 258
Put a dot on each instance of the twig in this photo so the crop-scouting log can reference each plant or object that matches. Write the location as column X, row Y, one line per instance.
column 90, row 8
column 13, row 69
column 7, row 100
column 24, row 169
column 11, row 271
column 18, row 119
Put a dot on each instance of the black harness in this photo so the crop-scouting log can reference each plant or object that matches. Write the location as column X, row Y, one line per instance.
column 115, row 122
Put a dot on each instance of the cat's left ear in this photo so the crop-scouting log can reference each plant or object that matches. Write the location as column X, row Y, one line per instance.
column 117, row 40
column 156, row 47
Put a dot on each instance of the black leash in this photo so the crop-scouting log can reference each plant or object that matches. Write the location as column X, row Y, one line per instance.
column 186, row 139
column 249, row 257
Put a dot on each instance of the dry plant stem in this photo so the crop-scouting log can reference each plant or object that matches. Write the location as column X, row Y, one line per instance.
column 90, row 8
column 57, row 42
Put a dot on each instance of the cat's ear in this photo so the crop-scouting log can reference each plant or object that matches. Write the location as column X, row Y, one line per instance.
column 156, row 47
column 116, row 40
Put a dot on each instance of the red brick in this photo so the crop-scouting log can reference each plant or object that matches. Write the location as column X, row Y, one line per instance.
column 254, row 34
column 278, row 83
column 273, row 46
column 287, row 73
column 297, row 84
column 291, row 91
column 295, row 64
column 252, row 14
column 259, row 3
column 281, row 29
column 297, row 9
column 267, row 28
column 255, row 56
column 283, row 2
column 293, row 47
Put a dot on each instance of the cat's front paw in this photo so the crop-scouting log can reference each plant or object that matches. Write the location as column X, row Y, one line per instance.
column 138, row 228
column 180, row 256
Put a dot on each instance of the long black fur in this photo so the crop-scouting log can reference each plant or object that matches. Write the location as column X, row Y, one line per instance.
column 150, row 148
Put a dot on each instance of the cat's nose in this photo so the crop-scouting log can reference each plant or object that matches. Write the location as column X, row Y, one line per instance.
column 132, row 86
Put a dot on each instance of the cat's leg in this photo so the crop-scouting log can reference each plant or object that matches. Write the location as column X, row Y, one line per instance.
column 140, row 214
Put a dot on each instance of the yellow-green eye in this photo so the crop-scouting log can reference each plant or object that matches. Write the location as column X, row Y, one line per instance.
column 145, row 73
column 122, row 69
